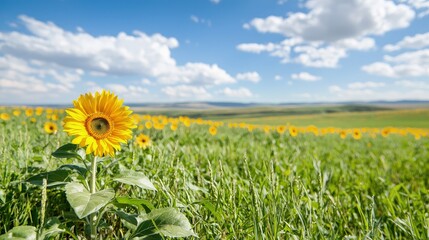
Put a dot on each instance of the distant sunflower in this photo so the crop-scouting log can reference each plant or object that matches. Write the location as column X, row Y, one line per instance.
column 343, row 134
column 293, row 131
column 99, row 122
column 50, row 127
column 213, row 130
column 357, row 134
column 143, row 141
column 281, row 129
column 4, row 116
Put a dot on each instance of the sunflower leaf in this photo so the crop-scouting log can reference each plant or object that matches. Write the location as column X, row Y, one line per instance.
column 20, row 232
column 67, row 151
column 83, row 202
column 168, row 222
column 54, row 178
column 136, row 179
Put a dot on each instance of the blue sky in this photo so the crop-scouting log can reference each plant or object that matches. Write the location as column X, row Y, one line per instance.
column 214, row 50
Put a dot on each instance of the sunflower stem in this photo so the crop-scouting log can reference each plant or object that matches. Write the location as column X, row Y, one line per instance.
column 93, row 189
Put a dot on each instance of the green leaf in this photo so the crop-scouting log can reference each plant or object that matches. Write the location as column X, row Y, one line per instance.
column 135, row 202
column 20, row 233
column 54, row 178
column 168, row 222
column 83, row 202
column 67, row 151
column 135, row 178
column 81, row 170
column 131, row 218
column 51, row 228
column 209, row 206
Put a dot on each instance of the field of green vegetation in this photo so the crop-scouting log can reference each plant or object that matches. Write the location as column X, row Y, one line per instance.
column 347, row 116
column 235, row 184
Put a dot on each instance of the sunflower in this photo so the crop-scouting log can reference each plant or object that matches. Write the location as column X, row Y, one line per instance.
column 343, row 134
column 281, row 129
column 29, row 112
column 143, row 141
column 357, row 134
column 50, row 128
column 293, row 131
column 213, row 130
column 173, row 126
column 4, row 116
column 99, row 122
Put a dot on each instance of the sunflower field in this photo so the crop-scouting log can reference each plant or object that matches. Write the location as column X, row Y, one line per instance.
column 99, row 171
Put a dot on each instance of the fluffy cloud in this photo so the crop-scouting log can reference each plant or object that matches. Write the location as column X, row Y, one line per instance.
column 415, row 42
column 237, row 93
column 122, row 55
column 129, row 89
column 305, row 76
column 362, row 85
column 248, row 76
column 323, row 36
column 408, row 64
column 421, row 5
column 412, row 84
column 186, row 91
column 278, row 77
column 18, row 75
column 330, row 20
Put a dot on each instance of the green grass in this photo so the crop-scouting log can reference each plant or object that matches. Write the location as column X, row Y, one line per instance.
column 348, row 116
column 244, row 185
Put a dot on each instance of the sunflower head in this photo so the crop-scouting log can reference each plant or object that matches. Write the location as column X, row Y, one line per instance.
column 357, row 134
column 343, row 134
column 293, row 131
column 4, row 116
column 281, row 129
column 143, row 141
column 99, row 122
column 50, row 128
column 213, row 130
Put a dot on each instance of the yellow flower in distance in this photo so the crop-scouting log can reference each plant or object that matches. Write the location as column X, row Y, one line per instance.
column 4, row 116
column 343, row 134
column 143, row 141
column 29, row 112
column 213, row 130
column 99, row 122
column 293, row 131
column 357, row 134
column 281, row 129
column 50, row 127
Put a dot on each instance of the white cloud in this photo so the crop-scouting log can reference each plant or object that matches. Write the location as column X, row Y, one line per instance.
column 415, row 42
column 237, row 93
column 412, row 84
column 122, row 55
column 278, row 77
column 195, row 19
column 186, row 91
column 322, row 36
column 126, row 90
column 305, row 76
column 249, row 76
column 215, row 1
column 408, row 64
column 330, row 20
column 327, row 57
column 23, row 76
column 146, row 81
column 421, row 5
column 369, row 84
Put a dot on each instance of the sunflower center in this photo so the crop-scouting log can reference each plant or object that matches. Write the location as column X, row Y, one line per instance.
column 99, row 125
column 51, row 128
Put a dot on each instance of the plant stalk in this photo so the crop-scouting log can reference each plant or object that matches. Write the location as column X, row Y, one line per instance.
column 93, row 189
